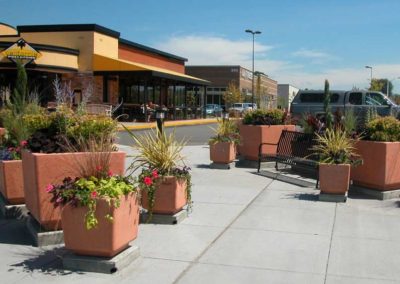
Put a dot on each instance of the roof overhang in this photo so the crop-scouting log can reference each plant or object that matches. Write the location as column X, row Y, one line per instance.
column 107, row 64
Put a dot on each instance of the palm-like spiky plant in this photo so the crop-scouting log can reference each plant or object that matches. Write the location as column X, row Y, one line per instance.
column 226, row 131
column 335, row 147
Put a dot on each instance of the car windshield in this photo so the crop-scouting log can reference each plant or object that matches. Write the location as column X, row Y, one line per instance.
column 209, row 106
column 237, row 105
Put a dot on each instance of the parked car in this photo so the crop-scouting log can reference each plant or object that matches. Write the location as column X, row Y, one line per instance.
column 213, row 109
column 241, row 107
column 312, row 102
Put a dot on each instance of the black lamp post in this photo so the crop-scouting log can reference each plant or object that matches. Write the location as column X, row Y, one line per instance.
column 252, row 72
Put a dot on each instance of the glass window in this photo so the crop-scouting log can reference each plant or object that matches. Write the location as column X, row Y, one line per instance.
column 317, row 97
column 375, row 99
column 355, row 98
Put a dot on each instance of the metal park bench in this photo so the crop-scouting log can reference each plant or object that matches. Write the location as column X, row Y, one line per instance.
column 294, row 149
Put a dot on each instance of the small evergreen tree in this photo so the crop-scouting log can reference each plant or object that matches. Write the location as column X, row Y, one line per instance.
column 328, row 114
column 20, row 92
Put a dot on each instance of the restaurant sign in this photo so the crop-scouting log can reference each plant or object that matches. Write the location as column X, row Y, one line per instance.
column 21, row 51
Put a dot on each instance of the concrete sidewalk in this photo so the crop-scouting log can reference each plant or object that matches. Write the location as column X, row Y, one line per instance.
column 244, row 228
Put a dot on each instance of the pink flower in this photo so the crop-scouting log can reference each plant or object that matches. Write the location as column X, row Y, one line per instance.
column 10, row 149
column 147, row 181
column 154, row 174
column 93, row 194
column 23, row 143
column 59, row 200
column 49, row 188
column 99, row 168
column 110, row 173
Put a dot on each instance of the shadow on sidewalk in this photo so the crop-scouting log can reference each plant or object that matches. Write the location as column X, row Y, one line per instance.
column 13, row 231
column 48, row 262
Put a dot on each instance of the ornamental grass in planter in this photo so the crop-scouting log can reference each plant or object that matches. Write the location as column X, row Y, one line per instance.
column 165, row 180
column 380, row 150
column 223, row 144
column 337, row 154
column 100, row 210
column 262, row 126
column 55, row 152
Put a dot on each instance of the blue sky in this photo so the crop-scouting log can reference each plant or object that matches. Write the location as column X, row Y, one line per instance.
column 302, row 42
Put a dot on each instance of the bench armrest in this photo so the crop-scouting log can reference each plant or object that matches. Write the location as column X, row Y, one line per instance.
column 262, row 144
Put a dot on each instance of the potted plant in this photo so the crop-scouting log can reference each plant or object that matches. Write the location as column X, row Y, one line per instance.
column 52, row 154
column 100, row 210
column 337, row 154
column 223, row 144
column 380, row 150
column 165, row 180
column 261, row 126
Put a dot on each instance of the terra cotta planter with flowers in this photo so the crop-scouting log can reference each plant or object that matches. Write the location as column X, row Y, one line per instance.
column 334, row 179
column 109, row 237
column 170, row 195
column 40, row 170
column 381, row 167
column 12, row 182
column 222, row 152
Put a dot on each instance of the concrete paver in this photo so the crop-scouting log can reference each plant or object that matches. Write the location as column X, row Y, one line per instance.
column 245, row 228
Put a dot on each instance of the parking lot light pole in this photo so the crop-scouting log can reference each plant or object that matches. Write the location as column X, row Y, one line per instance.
column 369, row 67
column 252, row 72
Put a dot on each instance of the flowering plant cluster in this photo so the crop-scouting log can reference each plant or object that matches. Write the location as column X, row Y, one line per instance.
column 85, row 191
column 12, row 153
column 149, row 178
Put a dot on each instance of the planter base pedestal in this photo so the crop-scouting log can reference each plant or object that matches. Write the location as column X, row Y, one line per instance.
column 220, row 166
column 380, row 195
column 41, row 236
column 11, row 211
column 101, row 264
column 328, row 197
column 165, row 219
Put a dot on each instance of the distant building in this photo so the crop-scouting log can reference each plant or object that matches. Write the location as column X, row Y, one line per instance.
column 221, row 76
column 286, row 94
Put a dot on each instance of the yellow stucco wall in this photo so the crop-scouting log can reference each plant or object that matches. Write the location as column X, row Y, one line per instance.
column 7, row 30
column 83, row 41
column 105, row 45
column 57, row 59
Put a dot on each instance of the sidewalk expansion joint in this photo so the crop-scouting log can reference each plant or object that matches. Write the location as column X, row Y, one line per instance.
column 330, row 244
column 196, row 260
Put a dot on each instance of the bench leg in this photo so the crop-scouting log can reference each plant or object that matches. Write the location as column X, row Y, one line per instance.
column 316, row 185
column 259, row 165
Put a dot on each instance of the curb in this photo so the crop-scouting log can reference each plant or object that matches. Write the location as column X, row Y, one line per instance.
column 151, row 125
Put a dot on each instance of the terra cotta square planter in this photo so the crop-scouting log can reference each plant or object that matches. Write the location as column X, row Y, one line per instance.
column 253, row 135
column 108, row 238
column 381, row 165
column 334, row 179
column 12, row 181
column 41, row 170
column 222, row 152
column 170, row 196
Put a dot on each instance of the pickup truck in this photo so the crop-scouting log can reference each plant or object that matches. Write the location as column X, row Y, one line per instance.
column 312, row 102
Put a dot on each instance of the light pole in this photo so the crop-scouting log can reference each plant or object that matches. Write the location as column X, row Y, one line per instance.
column 252, row 71
column 369, row 67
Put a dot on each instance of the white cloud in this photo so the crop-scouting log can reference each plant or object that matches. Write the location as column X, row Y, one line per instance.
column 213, row 50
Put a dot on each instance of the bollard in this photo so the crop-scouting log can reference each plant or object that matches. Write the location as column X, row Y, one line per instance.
column 160, row 120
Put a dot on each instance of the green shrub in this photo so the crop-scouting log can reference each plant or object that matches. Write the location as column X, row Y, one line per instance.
column 385, row 129
column 34, row 122
column 264, row 117
column 91, row 126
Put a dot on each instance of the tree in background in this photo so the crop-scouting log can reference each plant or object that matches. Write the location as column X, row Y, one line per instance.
column 327, row 109
column 20, row 92
column 380, row 85
column 232, row 95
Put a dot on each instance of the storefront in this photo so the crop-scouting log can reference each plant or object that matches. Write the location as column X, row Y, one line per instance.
column 94, row 61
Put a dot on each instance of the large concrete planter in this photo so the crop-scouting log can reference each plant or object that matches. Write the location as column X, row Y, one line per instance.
column 43, row 169
column 222, row 152
column 108, row 238
column 12, row 182
column 253, row 135
column 381, row 165
column 334, row 179
column 170, row 196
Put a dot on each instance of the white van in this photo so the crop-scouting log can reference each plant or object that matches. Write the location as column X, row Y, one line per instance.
column 241, row 107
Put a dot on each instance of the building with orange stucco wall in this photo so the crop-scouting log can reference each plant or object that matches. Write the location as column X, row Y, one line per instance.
column 90, row 56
